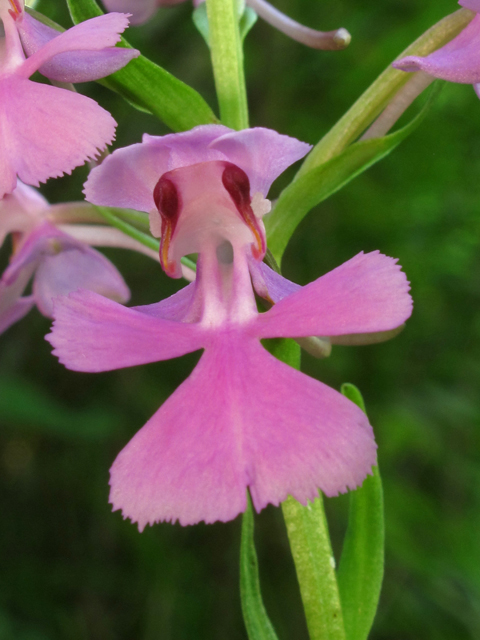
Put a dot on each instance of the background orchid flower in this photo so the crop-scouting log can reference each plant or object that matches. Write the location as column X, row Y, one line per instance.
column 57, row 262
column 143, row 10
column 457, row 61
column 48, row 131
column 242, row 419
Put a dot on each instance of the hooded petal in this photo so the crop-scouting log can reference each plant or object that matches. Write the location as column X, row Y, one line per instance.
column 74, row 66
column 77, row 267
column 128, row 177
column 367, row 294
column 457, row 61
column 92, row 35
column 47, row 131
column 92, row 333
column 262, row 153
column 242, row 419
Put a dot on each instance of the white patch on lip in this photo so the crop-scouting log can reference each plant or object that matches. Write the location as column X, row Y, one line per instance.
column 260, row 205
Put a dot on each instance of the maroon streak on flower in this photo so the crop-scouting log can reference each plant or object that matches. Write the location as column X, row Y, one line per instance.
column 57, row 262
column 242, row 419
column 457, row 61
column 48, row 131
column 143, row 10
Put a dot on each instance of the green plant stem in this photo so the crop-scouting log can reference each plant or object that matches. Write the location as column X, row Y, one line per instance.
column 310, row 543
column 227, row 60
column 312, row 552
column 378, row 95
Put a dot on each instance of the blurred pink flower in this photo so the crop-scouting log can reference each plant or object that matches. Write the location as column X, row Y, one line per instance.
column 457, row 61
column 57, row 262
column 243, row 419
column 46, row 130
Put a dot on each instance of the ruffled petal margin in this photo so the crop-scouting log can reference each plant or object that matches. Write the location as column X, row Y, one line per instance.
column 242, row 419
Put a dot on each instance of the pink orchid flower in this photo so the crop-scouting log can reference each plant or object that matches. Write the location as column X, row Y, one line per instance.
column 457, row 61
column 243, row 419
column 58, row 262
column 143, row 10
column 46, row 130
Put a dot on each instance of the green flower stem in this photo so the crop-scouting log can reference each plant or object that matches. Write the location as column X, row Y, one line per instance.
column 227, row 60
column 312, row 552
column 136, row 234
column 379, row 94
column 310, row 543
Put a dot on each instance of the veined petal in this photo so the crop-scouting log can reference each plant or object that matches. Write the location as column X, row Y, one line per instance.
column 92, row 333
column 47, row 131
column 91, row 35
column 242, row 419
column 77, row 267
column 367, row 294
column 74, row 66
column 127, row 177
column 457, row 61
column 262, row 153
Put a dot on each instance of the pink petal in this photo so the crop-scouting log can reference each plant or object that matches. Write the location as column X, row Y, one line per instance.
column 92, row 333
column 141, row 10
column 262, row 153
column 91, row 35
column 474, row 5
column 175, row 307
column 367, row 294
column 78, row 267
column 74, row 66
column 457, row 61
column 61, row 132
column 128, row 176
column 269, row 284
column 241, row 419
column 20, row 210
column 16, row 312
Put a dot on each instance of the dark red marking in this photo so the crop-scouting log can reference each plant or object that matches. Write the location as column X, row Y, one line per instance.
column 166, row 198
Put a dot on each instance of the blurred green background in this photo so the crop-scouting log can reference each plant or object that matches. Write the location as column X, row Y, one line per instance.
column 72, row 570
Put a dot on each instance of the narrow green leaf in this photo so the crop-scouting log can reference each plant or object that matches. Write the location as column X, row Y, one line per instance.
column 319, row 183
column 360, row 572
column 227, row 60
column 312, row 552
column 256, row 619
column 149, row 87
column 370, row 104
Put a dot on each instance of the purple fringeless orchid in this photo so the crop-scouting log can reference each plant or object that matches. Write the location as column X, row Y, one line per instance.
column 143, row 10
column 47, row 130
column 243, row 419
column 457, row 61
column 57, row 261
